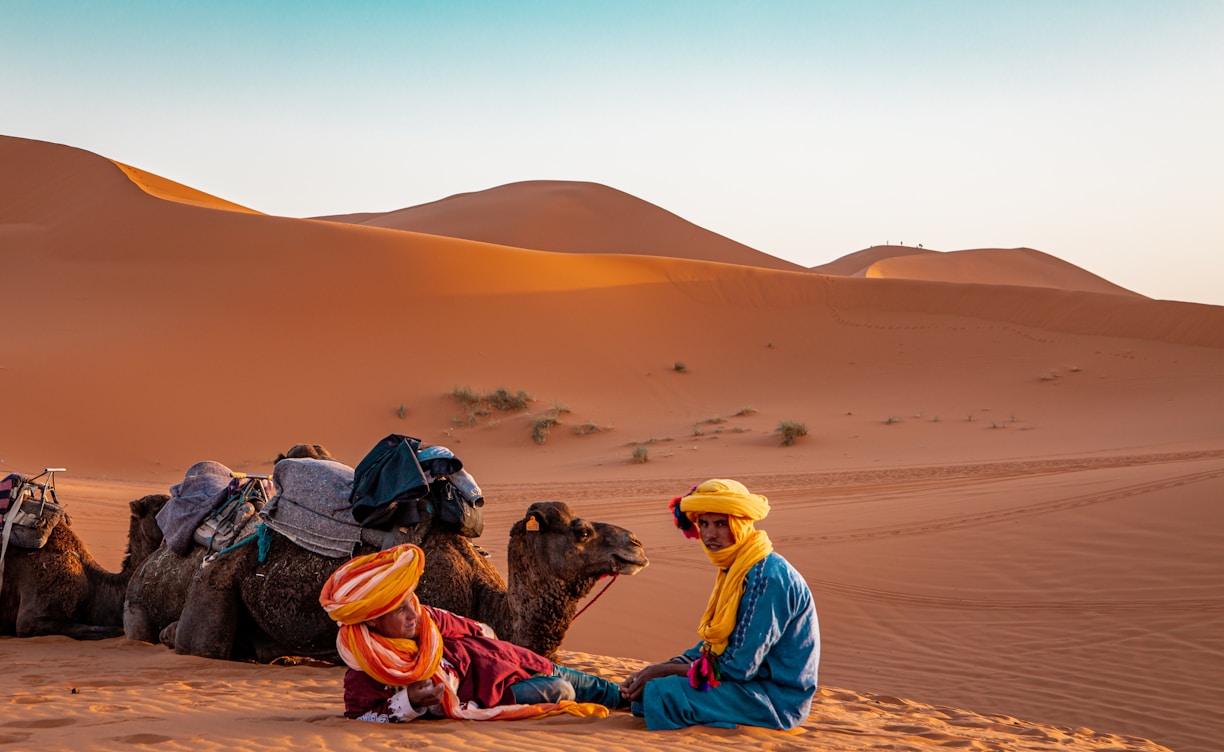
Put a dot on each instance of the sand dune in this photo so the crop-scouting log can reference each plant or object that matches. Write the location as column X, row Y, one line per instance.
column 994, row 266
column 984, row 266
column 856, row 264
column 1004, row 502
column 569, row 217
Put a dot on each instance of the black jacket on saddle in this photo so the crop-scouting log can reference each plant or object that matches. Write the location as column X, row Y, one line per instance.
column 388, row 477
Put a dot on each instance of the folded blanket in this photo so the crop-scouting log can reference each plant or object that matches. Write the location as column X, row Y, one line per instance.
column 190, row 502
column 312, row 506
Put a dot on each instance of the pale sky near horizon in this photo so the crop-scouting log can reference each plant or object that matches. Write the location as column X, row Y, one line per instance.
column 1092, row 130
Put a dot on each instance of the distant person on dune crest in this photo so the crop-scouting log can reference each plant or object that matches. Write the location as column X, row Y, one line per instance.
column 757, row 658
column 407, row 659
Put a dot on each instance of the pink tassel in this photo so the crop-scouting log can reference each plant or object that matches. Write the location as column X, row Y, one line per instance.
column 705, row 672
column 681, row 519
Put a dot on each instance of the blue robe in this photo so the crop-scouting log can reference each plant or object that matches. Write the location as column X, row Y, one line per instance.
column 769, row 666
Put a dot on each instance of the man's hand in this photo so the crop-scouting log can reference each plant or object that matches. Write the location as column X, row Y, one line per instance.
column 425, row 693
column 633, row 686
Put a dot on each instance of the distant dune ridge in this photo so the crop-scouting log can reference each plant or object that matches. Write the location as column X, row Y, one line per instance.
column 570, row 217
column 1005, row 500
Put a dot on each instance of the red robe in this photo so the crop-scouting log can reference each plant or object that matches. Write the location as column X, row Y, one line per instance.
column 486, row 668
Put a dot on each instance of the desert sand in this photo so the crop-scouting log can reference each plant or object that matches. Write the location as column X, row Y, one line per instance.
column 1006, row 503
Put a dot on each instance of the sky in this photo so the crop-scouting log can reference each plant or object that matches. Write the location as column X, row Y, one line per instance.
column 1092, row 130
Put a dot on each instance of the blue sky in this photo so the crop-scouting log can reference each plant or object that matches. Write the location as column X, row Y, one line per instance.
column 1088, row 129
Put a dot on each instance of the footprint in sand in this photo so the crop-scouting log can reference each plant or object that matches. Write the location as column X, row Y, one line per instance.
column 142, row 739
column 13, row 738
column 41, row 723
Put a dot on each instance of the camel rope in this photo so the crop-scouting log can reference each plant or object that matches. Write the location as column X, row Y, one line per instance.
column 601, row 592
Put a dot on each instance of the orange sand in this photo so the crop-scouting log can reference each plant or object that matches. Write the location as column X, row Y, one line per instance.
column 1004, row 503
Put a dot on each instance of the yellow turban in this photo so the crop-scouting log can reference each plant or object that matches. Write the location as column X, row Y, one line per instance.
column 721, row 496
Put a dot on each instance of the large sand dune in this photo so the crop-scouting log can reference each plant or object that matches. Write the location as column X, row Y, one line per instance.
column 571, row 217
column 1005, row 503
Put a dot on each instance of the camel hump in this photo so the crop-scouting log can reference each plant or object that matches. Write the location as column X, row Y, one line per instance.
column 305, row 451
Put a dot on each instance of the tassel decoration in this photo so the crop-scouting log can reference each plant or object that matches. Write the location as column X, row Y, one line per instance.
column 681, row 519
column 705, row 673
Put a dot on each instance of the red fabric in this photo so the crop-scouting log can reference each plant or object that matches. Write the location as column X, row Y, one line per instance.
column 486, row 668
column 10, row 481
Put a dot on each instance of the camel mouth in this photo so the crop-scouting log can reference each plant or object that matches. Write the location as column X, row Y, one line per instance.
column 630, row 566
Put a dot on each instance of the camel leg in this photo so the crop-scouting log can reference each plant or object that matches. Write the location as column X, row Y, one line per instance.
column 209, row 622
column 37, row 617
column 136, row 623
column 38, row 614
column 208, row 629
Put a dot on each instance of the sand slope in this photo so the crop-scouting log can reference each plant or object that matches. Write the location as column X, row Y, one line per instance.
column 119, row 694
column 983, row 266
column 1004, row 503
column 571, row 217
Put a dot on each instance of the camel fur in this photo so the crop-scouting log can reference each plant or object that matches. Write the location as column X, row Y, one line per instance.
column 60, row 589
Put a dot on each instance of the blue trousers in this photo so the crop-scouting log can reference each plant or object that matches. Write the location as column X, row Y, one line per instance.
column 567, row 684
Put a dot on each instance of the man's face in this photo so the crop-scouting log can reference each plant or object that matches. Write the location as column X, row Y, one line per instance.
column 715, row 532
column 400, row 623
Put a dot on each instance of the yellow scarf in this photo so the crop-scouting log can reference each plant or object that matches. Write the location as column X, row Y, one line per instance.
column 742, row 507
column 733, row 562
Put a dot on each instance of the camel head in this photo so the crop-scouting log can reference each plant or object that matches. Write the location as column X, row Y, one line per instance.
column 305, row 452
column 551, row 542
column 144, row 534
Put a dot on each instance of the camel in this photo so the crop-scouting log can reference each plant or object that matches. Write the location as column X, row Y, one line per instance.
column 166, row 576
column 237, row 607
column 60, row 589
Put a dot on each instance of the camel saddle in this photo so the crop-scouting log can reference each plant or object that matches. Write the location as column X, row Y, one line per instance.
column 28, row 522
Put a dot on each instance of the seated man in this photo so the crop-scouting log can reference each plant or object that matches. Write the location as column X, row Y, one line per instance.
column 759, row 644
column 406, row 659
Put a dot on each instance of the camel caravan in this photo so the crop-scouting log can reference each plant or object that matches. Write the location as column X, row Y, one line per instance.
column 230, row 565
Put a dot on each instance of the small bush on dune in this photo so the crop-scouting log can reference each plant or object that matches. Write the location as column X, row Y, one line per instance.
column 641, row 454
column 465, row 396
column 584, row 429
column 541, row 426
column 790, row 431
column 502, row 399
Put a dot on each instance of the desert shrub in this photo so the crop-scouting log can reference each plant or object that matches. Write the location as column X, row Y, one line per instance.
column 541, row 426
column 790, row 431
column 641, row 454
column 502, row 399
column 745, row 410
column 465, row 396
column 586, row 428
column 679, row 367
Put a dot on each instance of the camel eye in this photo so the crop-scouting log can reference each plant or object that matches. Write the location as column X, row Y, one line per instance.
column 584, row 533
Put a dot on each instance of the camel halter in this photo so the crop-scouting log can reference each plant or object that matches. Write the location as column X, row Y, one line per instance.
column 601, row 592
